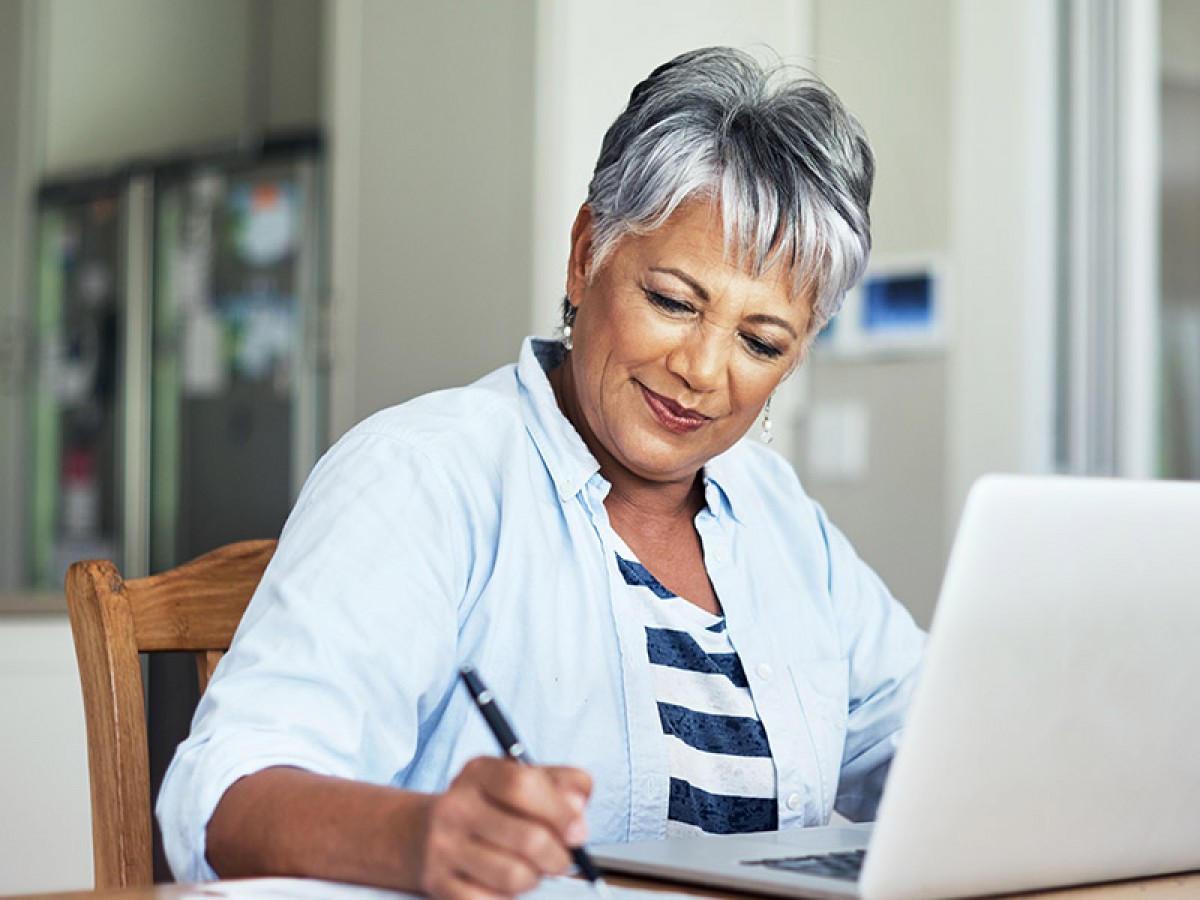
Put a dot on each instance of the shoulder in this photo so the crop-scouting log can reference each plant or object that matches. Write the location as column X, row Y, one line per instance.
column 442, row 445
column 447, row 429
column 432, row 422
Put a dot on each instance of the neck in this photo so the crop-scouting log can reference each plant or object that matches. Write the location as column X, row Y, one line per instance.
column 655, row 504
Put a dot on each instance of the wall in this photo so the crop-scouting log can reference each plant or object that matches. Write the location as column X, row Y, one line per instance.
column 16, row 179
column 45, row 832
column 1000, row 378
column 432, row 175
column 135, row 76
column 891, row 64
column 1180, row 230
column 288, row 81
column 141, row 77
column 956, row 99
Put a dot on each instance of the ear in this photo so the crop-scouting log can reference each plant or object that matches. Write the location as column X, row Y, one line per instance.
column 580, row 260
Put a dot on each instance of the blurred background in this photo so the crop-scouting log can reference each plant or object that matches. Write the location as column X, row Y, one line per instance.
column 229, row 229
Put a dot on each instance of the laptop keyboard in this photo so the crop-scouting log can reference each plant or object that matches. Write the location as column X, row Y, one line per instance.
column 845, row 865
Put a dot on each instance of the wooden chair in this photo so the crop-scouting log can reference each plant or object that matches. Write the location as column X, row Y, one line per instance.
column 194, row 607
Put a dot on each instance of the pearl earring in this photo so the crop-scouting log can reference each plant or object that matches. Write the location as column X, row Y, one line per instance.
column 765, row 435
column 568, row 322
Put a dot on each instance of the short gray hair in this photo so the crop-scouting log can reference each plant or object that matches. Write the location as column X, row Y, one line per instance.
column 789, row 165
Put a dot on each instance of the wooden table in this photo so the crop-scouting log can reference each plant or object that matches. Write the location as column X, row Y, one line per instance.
column 1168, row 887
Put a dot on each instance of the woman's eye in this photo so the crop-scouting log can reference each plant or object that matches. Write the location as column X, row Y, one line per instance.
column 667, row 304
column 761, row 348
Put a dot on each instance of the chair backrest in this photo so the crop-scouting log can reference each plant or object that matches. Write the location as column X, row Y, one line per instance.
column 193, row 607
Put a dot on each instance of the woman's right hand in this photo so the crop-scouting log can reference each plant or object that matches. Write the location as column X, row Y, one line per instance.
column 500, row 827
column 496, row 831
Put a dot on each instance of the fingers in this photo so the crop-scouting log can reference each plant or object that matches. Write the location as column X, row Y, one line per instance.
column 500, row 827
column 575, row 785
column 554, row 795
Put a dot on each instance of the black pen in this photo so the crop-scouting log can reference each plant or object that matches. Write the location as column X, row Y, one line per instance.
column 515, row 750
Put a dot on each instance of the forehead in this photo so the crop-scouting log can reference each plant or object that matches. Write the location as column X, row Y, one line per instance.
column 694, row 239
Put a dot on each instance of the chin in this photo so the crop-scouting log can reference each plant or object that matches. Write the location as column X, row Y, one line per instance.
column 664, row 467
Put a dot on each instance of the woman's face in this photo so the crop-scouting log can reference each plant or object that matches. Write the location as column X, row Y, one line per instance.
column 675, row 348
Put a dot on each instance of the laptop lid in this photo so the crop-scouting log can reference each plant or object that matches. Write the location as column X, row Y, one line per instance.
column 1052, row 739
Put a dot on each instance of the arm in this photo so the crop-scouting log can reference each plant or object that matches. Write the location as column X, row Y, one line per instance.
column 342, row 669
column 496, row 830
column 883, row 647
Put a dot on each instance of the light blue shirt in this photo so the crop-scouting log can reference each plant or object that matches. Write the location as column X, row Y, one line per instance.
column 468, row 526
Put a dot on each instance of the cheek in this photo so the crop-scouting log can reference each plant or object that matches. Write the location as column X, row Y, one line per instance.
column 632, row 335
column 753, row 389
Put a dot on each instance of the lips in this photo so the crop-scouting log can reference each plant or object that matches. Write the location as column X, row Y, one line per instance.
column 673, row 417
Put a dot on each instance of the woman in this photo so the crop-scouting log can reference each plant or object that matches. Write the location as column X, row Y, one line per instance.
column 661, row 610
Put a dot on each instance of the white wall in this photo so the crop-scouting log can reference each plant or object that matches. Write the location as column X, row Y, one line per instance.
column 1001, row 375
column 958, row 100
column 46, row 830
column 891, row 64
column 139, row 77
column 431, row 137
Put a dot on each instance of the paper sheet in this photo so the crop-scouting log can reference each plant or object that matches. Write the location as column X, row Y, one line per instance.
column 303, row 889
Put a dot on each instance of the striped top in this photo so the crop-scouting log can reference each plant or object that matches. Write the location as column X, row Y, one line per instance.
column 722, row 773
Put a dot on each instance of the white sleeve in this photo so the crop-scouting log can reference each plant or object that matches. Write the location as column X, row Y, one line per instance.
column 324, row 673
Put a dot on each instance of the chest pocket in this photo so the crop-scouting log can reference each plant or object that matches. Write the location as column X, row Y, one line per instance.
column 824, row 691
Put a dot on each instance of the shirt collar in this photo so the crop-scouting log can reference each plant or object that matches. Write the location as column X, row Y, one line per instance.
column 567, row 458
column 722, row 478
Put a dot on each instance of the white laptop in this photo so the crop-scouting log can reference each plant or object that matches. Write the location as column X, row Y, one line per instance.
column 1054, row 738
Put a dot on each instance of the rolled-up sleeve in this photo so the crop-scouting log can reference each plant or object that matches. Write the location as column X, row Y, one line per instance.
column 367, row 558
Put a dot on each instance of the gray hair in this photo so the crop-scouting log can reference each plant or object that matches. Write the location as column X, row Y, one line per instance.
column 789, row 166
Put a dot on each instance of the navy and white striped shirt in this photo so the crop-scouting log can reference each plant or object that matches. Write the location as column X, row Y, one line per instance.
column 722, row 774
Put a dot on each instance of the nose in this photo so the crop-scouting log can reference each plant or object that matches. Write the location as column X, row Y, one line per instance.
column 699, row 358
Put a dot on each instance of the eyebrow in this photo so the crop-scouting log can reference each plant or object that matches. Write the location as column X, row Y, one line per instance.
column 698, row 288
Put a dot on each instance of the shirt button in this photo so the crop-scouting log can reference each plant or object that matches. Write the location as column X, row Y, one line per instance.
column 720, row 556
column 764, row 671
column 794, row 801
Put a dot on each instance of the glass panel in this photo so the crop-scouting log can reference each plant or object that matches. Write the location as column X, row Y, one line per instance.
column 229, row 353
column 79, row 305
